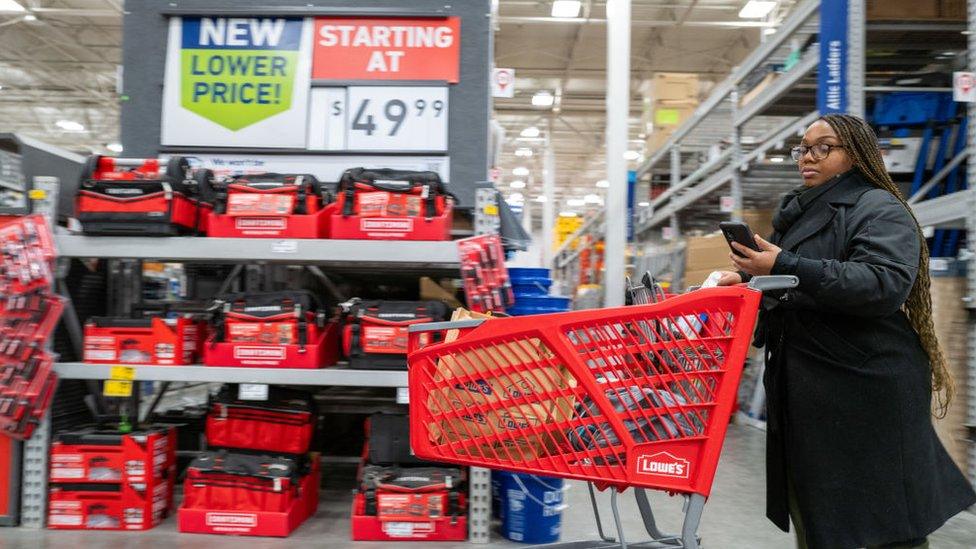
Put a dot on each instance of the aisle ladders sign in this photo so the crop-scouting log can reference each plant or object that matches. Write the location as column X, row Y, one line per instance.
column 387, row 49
column 832, row 73
column 236, row 81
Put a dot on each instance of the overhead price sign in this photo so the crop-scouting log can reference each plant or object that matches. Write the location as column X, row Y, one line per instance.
column 236, row 81
column 387, row 49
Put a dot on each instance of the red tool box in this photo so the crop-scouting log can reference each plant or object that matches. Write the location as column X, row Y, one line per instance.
column 272, row 330
column 139, row 459
column 284, row 423
column 386, row 204
column 248, row 495
column 159, row 341
column 375, row 332
column 107, row 506
column 271, row 205
column 136, row 196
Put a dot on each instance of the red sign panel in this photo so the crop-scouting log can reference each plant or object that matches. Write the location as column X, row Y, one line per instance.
column 387, row 49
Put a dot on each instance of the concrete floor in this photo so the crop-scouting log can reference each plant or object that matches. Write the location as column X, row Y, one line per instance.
column 733, row 518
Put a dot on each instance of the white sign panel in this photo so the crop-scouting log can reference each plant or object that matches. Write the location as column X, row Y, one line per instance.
column 327, row 119
column 964, row 87
column 503, row 83
column 237, row 82
column 396, row 118
column 324, row 168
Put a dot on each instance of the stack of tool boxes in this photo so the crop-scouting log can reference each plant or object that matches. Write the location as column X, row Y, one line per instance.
column 102, row 479
column 258, row 478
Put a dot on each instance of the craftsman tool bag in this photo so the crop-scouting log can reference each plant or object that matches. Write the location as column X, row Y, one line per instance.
column 295, row 317
column 270, row 194
column 284, row 423
column 375, row 332
column 412, row 493
column 225, row 481
column 135, row 196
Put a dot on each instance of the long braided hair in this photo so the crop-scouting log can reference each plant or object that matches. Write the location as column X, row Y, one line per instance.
column 861, row 144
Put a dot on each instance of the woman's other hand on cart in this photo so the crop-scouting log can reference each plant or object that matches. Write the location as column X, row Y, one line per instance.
column 753, row 262
column 730, row 279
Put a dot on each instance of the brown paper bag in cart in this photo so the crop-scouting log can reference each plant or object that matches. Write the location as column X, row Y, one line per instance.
column 482, row 400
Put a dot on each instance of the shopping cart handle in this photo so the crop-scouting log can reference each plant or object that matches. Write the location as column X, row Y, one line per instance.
column 778, row 282
column 441, row 326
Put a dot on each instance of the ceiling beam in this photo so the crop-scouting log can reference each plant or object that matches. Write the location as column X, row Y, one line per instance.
column 645, row 23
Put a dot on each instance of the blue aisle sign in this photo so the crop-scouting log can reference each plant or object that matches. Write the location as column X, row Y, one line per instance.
column 832, row 73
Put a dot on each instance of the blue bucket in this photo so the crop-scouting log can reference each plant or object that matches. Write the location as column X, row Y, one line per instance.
column 537, row 287
column 543, row 302
column 531, row 507
column 528, row 311
column 529, row 281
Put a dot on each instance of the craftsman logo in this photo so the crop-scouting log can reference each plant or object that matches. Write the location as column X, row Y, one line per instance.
column 277, row 223
column 663, row 464
column 232, row 519
column 123, row 190
column 386, row 225
column 259, row 352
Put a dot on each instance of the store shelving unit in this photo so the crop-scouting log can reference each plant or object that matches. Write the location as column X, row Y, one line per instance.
column 339, row 375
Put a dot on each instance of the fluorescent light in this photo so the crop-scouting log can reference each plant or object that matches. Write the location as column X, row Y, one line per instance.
column 643, row 204
column 520, row 171
column 30, row 18
column 575, row 202
column 592, row 199
column 566, row 8
column 632, row 155
column 757, row 9
column 777, row 159
column 543, row 99
column 540, row 198
column 517, row 184
column 516, row 197
column 531, row 131
column 524, row 152
column 567, row 213
column 769, row 30
column 603, row 184
column 10, row 5
column 114, row 147
column 70, row 126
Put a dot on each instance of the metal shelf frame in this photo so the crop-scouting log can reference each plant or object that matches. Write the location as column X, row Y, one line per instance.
column 338, row 376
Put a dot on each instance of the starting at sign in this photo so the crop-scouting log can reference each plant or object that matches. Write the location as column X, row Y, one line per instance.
column 387, row 49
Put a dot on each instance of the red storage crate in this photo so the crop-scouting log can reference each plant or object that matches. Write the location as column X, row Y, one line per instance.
column 157, row 341
column 107, row 506
column 195, row 516
column 372, row 528
column 139, row 459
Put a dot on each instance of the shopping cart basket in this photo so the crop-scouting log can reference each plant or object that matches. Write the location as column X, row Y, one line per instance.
column 637, row 396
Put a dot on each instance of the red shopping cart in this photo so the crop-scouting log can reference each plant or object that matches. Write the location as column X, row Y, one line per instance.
column 637, row 396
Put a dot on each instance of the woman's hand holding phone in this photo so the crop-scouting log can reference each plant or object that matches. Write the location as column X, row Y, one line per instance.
column 755, row 263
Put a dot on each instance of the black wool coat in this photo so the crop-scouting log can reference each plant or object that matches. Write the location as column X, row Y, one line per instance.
column 848, row 382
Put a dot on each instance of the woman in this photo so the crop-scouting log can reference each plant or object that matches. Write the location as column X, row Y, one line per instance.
column 852, row 357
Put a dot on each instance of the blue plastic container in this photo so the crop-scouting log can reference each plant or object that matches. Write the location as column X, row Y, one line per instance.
column 542, row 302
column 531, row 507
column 529, row 281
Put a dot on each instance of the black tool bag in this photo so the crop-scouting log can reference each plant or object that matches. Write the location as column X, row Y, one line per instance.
column 309, row 194
column 375, row 333
column 378, row 480
column 426, row 185
column 389, row 441
column 302, row 311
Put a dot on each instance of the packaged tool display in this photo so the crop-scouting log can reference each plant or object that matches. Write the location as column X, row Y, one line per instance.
column 248, row 494
column 409, row 501
column 143, row 196
column 102, row 479
column 29, row 312
column 158, row 341
column 285, row 423
column 486, row 283
column 375, row 332
column 386, row 204
column 286, row 329
column 270, row 205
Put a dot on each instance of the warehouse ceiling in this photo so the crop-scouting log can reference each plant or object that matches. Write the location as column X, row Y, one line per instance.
column 59, row 62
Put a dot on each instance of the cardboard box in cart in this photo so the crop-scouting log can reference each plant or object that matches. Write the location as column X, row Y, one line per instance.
column 522, row 426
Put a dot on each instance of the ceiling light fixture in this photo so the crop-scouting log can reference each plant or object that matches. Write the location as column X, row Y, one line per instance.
column 603, row 184
column 30, row 18
column 575, row 202
column 70, row 126
column 777, row 159
column 631, row 155
column 543, row 99
column 531, row 131
column 592, row 199
column 516, row 197
column 643, row 204
column 540, row 198
column 11, row 5
column 756, row 9
column 566, row 8
column 114, row 147
column 769, row 30
column 520, row 171
column 524, row 152
column 517, row 184
column 567, row 213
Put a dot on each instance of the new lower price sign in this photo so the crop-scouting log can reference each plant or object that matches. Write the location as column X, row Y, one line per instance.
column 379, row 118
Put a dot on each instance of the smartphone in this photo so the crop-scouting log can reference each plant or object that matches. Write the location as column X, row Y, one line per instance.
column 737, row 231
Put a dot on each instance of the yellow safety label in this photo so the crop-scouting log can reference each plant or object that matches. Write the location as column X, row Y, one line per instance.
column 116, row 388
column 37, row 194
column 122, row 373
column 491, row 209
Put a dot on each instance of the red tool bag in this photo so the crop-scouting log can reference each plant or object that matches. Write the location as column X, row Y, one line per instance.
column 135, row 196
column 385, row 204
column 270, row 205
column 375, row 333
column 285, row 423
column 242, row 482
column 269, row 318
column 414, row 493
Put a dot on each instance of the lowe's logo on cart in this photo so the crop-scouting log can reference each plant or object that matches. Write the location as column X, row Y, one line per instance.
column 663, row 464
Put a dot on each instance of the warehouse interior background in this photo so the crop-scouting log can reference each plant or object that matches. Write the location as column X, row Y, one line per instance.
column 717, row 92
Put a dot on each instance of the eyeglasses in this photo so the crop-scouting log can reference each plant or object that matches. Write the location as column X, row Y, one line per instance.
column 819, row 151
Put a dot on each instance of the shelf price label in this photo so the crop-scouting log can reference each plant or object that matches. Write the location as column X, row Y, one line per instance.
column 117, row 388
column 379, row 118
column 122, row 373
